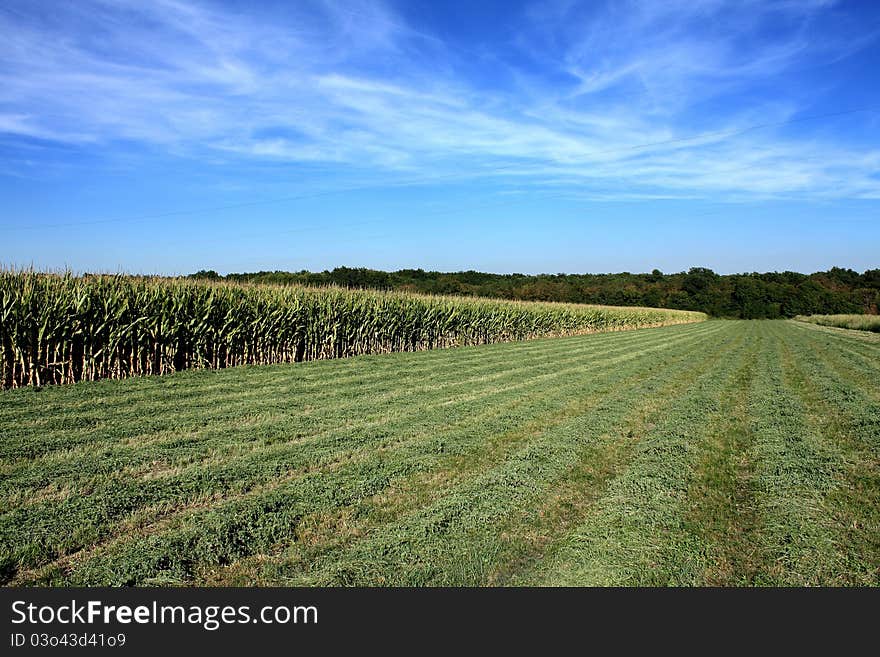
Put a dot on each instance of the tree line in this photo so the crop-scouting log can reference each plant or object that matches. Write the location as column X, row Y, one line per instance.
column 746, row 296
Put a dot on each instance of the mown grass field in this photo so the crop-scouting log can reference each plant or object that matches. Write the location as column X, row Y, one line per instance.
column 717, row 453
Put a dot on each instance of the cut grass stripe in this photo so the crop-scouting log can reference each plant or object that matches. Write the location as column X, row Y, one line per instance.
column 795, row 470
column 721, row 499
column 366, row 477
column 120, row 499
column 296, row 423
column 327, row 560
column 638, row 532
column 724, row 453
column 101, row 423
column 851, row 509
column 195, row 448
column 849, row 391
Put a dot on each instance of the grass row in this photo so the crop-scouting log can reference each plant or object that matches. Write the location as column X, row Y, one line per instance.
column 233, row 459
column 776, row 485
column 733, row 453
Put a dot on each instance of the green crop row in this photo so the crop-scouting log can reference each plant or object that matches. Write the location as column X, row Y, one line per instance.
column 858, row 322
column 60, row 328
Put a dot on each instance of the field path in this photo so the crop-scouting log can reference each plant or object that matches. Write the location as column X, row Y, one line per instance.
column 721, row 453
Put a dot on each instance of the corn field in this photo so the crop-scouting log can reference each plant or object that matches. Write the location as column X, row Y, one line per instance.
column 61, row 328
column 855, row 322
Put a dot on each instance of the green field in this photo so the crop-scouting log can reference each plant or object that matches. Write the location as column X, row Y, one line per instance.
column 857, row 322
column 60, row 328
column 723, row 452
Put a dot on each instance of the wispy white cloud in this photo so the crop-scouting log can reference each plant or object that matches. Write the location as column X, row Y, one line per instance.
column 354, row 84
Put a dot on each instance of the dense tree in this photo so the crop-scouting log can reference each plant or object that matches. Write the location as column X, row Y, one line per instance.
column 205, row 274
column 750, row 296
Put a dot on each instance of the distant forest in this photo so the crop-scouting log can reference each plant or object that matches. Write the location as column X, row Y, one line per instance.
column 747, row 296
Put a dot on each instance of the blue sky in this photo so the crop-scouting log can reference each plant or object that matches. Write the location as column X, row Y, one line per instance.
column 171, row 136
